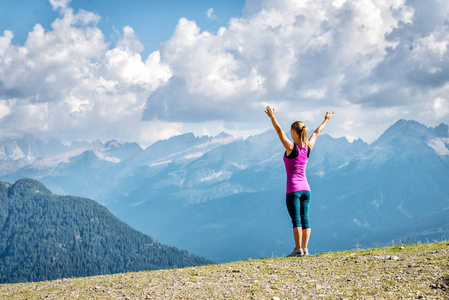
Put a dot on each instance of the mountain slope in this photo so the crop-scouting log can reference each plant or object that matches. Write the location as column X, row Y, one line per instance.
column 44, row 236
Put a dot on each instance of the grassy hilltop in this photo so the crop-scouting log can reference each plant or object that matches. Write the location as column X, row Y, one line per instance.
column 407, row 272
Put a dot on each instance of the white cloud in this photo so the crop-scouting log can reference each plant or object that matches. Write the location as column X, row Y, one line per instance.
column 440, row 107
column 130, row 41
column 4, row 109
column 5, row 41
column 372, row 61
column 306, row 57
column 314, row 93
column 59, row 4
column 126, row 66
column 77, row 105
column 204, row 64
column 69, row 83
column 210, row 14
column 283, row 49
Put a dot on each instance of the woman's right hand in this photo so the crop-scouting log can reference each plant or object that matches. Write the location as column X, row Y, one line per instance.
column 270, row 112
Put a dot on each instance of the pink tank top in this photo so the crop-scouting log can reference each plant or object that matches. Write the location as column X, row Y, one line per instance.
column 296, row 171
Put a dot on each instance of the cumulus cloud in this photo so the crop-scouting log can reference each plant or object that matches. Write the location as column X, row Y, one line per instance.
column 284, row 49
column 308, row 56
column 68, row 82
column 389, row 58
column 59, row 4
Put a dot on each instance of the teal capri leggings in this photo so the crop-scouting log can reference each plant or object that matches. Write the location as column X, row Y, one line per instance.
column 298, row 208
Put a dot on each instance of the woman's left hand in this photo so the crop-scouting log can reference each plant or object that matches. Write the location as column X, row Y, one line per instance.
column 270, row 112
column 328, row 115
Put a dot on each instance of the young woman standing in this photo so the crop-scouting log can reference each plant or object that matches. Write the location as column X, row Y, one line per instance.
column 298, row 189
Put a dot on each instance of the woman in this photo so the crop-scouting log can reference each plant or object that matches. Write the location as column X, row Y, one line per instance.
column 298, row 190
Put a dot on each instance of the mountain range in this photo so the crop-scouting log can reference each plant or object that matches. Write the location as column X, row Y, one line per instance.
column 224, row 198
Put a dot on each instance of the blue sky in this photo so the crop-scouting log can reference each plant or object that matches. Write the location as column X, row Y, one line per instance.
column 153, row 21
column 147, row 70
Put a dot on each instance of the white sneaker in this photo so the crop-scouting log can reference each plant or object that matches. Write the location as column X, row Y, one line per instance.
column 296, row 253
column 305, row 252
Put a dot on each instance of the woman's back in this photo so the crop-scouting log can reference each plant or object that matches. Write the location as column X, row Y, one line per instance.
column 295, row 167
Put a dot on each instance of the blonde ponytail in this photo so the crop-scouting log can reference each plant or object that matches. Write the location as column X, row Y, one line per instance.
column 301, row 130
column 303, row 135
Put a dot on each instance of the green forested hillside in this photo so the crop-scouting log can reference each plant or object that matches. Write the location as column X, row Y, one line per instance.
column 45, row 236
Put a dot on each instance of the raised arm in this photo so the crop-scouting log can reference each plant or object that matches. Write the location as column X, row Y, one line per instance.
column 288, row 145
column 317, row 131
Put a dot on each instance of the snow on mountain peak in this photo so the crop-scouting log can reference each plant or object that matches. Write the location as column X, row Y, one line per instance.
column 190, row 147
column 52, row 161
column 12, row 151
column 216, row 176
column 193, row 155
column 351, row 138
column 100, row 149
column 113, row 144
column 101, row 155
column 439, row 145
